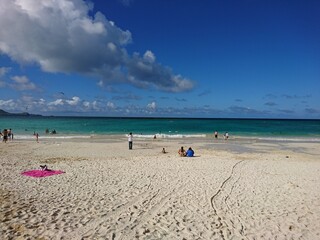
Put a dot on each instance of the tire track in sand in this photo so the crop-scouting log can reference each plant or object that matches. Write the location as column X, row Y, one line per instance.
column 220, row 206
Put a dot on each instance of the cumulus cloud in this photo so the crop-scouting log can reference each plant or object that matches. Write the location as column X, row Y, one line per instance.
column 86, row 104
column 4, row 71
column 74, row 101
column 8, row 104
column 149, row 56
column 67, row 36
column 95, row 105
column 152, row 106
column 145, row 72
column 22, row 83
column 56, row 102
column 110, row 105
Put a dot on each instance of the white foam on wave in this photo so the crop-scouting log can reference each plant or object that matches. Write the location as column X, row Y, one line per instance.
column 283, row 139
column 28, row 137
column 164, row 136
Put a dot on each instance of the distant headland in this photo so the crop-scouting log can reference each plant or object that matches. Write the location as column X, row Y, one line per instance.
column 4, row 113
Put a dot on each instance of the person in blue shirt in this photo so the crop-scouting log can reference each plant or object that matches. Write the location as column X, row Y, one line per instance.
column 190, row 152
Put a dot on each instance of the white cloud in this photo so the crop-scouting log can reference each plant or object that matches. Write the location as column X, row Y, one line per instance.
column 22, row 83
column 152, row 106
column 61, row 36
column 58, row 102
column 95, row 105
column 110, row 105
column 149, row 56
column 144, row 73
column 8, row 104
column 27, row 99
column 74, row 101
column 86, row 104
column 4, row 71
column 41, row 101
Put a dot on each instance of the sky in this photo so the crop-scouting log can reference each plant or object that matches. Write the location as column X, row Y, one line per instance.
column 161, row 58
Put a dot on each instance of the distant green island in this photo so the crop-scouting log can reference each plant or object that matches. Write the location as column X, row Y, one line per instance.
column 4, row 113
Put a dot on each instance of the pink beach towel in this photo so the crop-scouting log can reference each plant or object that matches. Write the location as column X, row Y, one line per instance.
column 41, row 173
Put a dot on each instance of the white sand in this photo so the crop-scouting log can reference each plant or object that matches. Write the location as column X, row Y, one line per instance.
column 230, row 190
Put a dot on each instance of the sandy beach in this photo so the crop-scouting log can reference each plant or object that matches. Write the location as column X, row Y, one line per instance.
column 235, row 189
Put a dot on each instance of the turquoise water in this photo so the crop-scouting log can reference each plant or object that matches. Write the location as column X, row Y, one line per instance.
column 165, row 127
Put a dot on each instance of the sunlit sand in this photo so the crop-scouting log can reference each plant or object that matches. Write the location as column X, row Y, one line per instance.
column 229, row 190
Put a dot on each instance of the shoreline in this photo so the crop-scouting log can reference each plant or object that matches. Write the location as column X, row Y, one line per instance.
column 196, row 137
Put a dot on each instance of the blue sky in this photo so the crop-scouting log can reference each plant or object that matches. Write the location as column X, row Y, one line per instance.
column 161, row 58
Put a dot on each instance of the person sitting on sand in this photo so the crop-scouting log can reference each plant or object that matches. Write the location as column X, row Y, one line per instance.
column 182, row 152
column 190, row 152
column 164, row 150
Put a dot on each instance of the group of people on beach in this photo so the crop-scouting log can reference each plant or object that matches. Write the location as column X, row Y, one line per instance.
column 188, row 153
column 181, row 151
column 6, row 135
column 52, row 132
column 225, row 135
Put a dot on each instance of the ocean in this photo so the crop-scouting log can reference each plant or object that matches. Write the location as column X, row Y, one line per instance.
column 72, row 127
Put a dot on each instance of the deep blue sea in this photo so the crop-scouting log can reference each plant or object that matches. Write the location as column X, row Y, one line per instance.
column 25, row 126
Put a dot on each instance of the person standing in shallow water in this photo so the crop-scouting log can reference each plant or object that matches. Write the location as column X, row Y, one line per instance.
column 216, row 134
column 226, row 136
column 130, row 140
column 5, row 135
